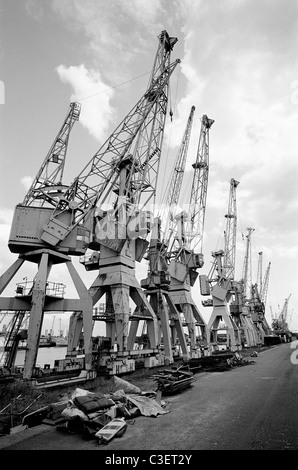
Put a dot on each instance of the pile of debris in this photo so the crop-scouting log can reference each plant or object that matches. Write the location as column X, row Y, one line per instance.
column 238, row 360
column 105, row 416
column 217, row 362
column 173, row 381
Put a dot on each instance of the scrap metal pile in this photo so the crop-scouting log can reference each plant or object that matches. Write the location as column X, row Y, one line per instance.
column 173, row 381
column 218, row 362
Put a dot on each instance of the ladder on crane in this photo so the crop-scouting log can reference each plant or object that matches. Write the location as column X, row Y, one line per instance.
column 14, row 336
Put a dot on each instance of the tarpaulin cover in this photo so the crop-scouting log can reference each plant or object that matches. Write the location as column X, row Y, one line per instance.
column 121, row 384
column 146, row 405
column 72, row 412
column 80, row 392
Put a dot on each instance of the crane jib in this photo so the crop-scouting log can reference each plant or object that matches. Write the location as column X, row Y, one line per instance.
column 84, row 196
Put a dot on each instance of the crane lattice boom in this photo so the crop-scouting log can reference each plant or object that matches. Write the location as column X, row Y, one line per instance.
column 190, row 224
column 176, row 179
column 197, row 208
column 260, row 272
column 284, row 311
column 247, row 280
column 230, row 233
column 100, row 176
column 47, row 185
column 265, row 284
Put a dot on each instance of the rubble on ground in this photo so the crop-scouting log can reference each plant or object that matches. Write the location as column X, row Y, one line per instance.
column 254, row 354
column 83, row 411
column 105, row 416
column 238, row 360
column 173, row 381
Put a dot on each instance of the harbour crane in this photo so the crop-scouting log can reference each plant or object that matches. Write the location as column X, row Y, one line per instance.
column 265, row 284
column 176, row 180
column 257, row 302
column 172, row 248
column 241, row 293
column 220, row 285
column 47, row 185
column 262, row 283
column 74, row 223
column 126, row 170
column 247, row 277
column 130, row 149
column 264, row 290
column 52, row 327
column 257, row 309
column 280, row 324
column 291, row 317
column 185, row 254
column 25, row 239
column 283, row 316
column 158, row 279
column 273, row 317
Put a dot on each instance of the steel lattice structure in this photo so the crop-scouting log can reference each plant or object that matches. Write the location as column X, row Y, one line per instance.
column 247, row 280
column 198, row 197
column 138, row 137
column 176, row 179
column 47, row 184
column 230, row 233
column 265, row 284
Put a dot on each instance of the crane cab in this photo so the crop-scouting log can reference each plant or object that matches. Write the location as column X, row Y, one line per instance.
column 27, row 230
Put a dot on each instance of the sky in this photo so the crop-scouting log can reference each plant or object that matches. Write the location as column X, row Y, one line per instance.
column 238, row 66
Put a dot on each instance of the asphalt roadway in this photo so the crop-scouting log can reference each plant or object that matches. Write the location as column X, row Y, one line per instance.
column 253, row 407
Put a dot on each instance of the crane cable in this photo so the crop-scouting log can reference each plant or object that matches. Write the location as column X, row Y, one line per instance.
column 112, row 87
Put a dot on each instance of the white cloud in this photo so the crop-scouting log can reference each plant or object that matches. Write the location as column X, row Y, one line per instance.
column 239, row 74
column 96, row 112
column 144, row 12
column 113, row 29
column 26, row 182
column 34, row 9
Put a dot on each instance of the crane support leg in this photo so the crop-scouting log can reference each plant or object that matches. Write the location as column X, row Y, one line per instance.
column 249, row 331
column 221, row 312
column 74, row 333
column 199, row 321
column 141, row 301
column 158, row 304
column 260, row 332
column 10, row 273
column 184, row 302
column 120, row 297
column 87, row 310
column 253, row 330
column 36, row 315
column 121, row 285
column 175, row 317
column 191, row 328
